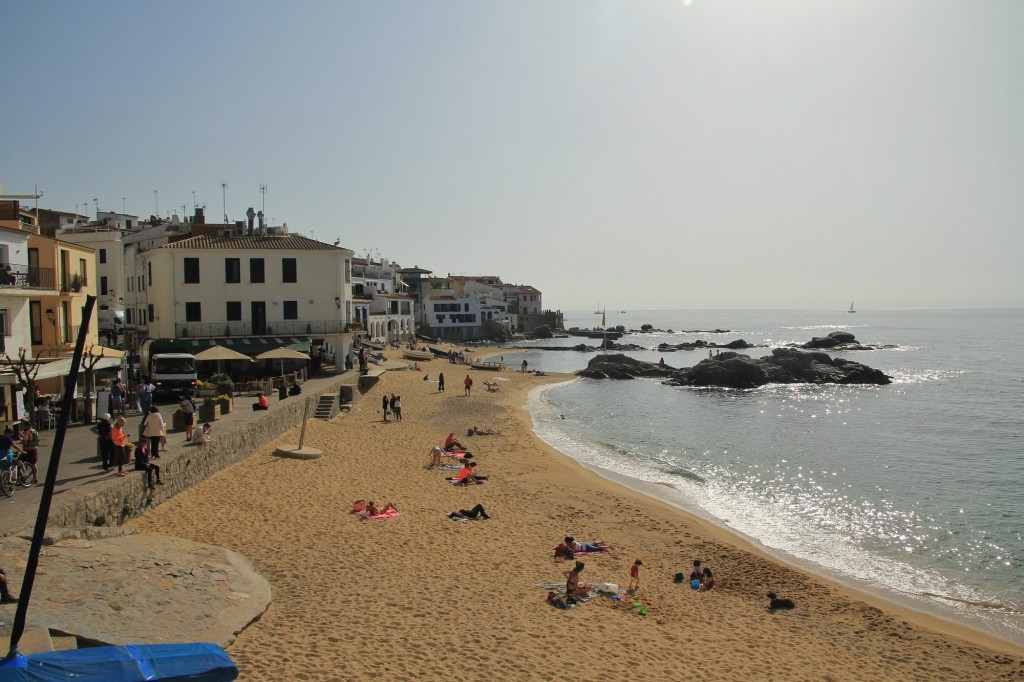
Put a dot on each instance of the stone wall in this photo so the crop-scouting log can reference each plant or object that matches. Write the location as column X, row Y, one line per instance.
column 186, row 466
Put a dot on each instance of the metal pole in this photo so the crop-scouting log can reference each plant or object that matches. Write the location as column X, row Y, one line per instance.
column 305, row 412
column 18, row 627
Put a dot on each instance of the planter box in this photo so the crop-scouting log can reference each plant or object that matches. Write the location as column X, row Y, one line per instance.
column 209, row 413
column 225, row 406
column 179, row 421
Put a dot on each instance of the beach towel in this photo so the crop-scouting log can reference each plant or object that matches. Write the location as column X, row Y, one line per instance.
column 449, row 467
column 462, row 485
column 454, row 453
column 385, row 515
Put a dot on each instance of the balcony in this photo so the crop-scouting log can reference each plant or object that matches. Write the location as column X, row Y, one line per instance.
column 26, row 277
column 210, row 330
column 73, row 283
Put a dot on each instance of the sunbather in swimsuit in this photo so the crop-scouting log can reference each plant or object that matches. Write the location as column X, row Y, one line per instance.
column 572, row 581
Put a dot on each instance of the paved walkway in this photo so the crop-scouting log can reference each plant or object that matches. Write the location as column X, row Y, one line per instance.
column 176, row 591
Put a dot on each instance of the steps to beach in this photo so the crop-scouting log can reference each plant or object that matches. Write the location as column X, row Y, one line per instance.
column 327, row 407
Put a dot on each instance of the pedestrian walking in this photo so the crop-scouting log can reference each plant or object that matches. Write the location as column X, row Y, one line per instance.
column 468, row 383
column 440, row 382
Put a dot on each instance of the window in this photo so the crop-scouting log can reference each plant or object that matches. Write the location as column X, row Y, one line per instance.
column 83, row 271
column 128, row 316
column 291, row 310
column 234, row 311
column 256, row 271
column 191, row 271
column 289, row 273
column 103, row 285
column 149, row 273
column 103, row 255
column 193, row 311
column 5, row 327
column 35, row 320
column 232, row 270
column 149, row 313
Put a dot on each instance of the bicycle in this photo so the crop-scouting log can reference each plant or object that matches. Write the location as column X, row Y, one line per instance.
column 20, row 474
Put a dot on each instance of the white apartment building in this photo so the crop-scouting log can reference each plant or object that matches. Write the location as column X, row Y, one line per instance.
column 249, row 293
column 379, row 301
column 452, row 316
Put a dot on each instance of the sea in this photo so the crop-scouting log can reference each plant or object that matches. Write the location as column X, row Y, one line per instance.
column 913, row 491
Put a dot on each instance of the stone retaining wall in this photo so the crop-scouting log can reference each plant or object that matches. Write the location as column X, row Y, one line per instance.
column 183, row 468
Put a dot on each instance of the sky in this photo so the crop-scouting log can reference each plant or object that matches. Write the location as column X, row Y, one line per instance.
column 637, row 154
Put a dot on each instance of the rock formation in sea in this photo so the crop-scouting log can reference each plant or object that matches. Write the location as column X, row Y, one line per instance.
column 839, row 341
column 734, row 370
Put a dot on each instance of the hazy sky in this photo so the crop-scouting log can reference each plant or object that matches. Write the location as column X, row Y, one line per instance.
column 644, row 154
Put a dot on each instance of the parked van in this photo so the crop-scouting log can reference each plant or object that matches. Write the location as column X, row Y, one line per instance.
column 111, row 320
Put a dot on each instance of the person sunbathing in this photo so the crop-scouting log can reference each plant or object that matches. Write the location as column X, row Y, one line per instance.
column 573, row 587
column 596, row 546
column 452, row 443
column 372, row 510
column 474, row 513
column 475, row 431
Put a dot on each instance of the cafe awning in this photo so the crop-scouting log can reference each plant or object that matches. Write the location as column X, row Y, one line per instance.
column 58, row 368
column 253, row 346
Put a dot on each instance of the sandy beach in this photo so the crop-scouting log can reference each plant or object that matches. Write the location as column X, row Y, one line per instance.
column 423, row 597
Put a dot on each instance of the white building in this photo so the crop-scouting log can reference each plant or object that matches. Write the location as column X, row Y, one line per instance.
column 249, row 293
column 379, row 301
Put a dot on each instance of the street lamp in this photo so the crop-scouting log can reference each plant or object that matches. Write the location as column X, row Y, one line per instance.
column 51, row 317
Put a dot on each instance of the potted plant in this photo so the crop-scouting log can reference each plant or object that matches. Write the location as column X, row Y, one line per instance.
column 224, row 402
column 179, row 421
column 209, row 411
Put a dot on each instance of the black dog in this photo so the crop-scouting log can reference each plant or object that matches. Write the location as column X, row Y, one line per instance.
column 777, row 603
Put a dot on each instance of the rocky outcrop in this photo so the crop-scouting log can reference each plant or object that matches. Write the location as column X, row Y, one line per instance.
column 783, row 366
column 618, row 366
column 733, row 370
column 839, row 341
column 699, row 344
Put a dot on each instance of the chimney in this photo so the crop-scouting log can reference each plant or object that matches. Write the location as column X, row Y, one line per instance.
column 199, row 218
column 263, row 225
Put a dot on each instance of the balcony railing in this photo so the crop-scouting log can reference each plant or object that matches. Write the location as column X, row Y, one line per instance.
column 73, row 283
column 209, row 330
column 26, row 277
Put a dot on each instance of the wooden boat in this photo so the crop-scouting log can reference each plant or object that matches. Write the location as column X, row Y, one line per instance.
column 373, row 344
column 489, row 366
column 419, row 355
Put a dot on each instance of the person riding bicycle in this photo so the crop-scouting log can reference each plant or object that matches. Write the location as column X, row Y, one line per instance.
column 6, row 449
column 30, row 446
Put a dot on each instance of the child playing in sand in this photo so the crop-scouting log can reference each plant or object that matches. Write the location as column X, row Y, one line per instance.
column 707, row 580
column 634, row 576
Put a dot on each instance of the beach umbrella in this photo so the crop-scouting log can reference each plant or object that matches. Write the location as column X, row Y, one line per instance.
column 282, row 354
column 219, row 353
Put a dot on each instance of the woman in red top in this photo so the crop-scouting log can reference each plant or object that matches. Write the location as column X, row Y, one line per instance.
column 120, row 438
column 452, row 443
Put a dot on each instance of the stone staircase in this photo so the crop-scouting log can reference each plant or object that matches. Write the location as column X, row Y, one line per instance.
column 327, row 407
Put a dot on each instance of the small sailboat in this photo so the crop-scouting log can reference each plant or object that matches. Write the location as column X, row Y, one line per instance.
column 852, row 309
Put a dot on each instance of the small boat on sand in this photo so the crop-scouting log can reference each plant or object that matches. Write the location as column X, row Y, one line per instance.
column 489, row 366
column 419, row 355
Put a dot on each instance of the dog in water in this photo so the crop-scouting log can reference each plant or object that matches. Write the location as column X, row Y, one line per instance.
column 776, row 603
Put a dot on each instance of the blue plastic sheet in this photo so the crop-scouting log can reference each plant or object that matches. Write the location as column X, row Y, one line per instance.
column 140, row 663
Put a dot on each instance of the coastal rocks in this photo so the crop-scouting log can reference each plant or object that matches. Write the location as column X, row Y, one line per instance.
column 618, row 366
column 699, row 343
column 839, row 341
column 783, row 366
column 543, row 331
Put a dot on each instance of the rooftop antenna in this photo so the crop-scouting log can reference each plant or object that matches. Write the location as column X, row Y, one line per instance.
column 224, row 197
column 263, row 191
column 124, row 206
column 156, row 203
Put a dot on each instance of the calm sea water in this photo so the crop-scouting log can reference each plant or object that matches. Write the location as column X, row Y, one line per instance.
column 913, row 489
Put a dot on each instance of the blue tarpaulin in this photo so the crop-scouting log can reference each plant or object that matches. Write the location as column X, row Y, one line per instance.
column 140, row 663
